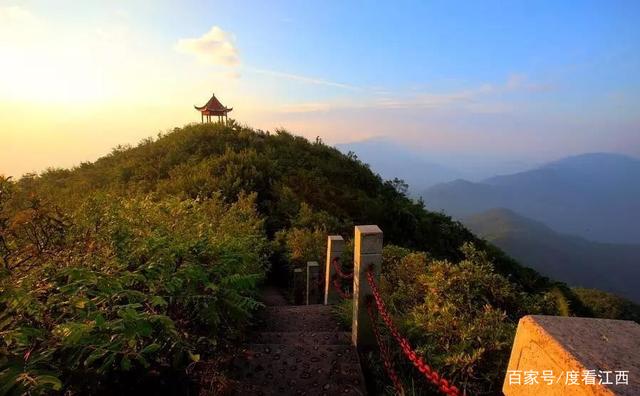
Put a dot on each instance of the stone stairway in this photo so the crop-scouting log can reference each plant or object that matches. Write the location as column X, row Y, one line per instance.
column 298, row 350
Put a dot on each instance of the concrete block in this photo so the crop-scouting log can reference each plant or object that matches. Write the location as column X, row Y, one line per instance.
column 335, row 249
column 368, row 239
column 313, row 283
column 574, row 356
column 367, row 254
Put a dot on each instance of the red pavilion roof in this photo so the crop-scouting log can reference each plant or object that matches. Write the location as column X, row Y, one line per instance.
column 213, row 107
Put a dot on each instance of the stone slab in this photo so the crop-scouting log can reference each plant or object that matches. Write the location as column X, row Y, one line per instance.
column 562, row 346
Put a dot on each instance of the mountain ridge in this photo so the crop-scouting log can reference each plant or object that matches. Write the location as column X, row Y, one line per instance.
column 595, row 196
column 571, row 259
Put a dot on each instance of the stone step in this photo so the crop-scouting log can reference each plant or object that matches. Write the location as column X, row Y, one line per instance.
column 272, row 296
column 303, row 337
column 298, row 318
column 276, row 369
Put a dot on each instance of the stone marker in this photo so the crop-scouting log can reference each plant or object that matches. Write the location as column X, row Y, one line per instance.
column 574, row 356
column 335, row 247
column 298, row 286
column 367, row 253
column 313, row 283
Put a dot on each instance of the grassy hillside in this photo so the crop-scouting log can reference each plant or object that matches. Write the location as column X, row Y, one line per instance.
column 119, row 274
column 285, row 171
column 574, row 260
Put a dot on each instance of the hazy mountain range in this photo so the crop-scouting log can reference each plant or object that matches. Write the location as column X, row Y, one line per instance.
column 575, row 220
column 595, row 196
column 423, row 169
column 391, row 160
column 575, row 260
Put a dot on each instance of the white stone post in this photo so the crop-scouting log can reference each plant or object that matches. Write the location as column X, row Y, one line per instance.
column 298, row 282
column 367, row 254
column 313, row 282
column 335, row 247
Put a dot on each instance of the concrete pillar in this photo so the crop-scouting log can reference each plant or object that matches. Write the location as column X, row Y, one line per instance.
column 367, row 254
column 313, row 283
column 335, row 247
column 554, row 355
column 298, row 286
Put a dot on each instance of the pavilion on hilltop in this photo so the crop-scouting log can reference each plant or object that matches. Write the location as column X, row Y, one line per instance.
column 213, row 108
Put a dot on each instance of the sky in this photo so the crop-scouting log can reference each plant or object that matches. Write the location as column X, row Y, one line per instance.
column 527, row 81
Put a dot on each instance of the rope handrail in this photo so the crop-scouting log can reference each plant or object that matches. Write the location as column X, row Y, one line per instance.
column 336, row 267
column 443, row 385
column 385, row 353
column 338, row 288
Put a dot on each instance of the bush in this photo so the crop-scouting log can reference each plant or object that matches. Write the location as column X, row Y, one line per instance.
column 133, row 288
column 461, row 317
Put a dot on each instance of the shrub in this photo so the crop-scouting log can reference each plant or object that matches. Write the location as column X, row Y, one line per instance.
column 137, row 285
column 461, row 317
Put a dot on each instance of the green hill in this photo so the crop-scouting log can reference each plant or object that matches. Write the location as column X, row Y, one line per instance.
column 285, row 171
column 119, row 274
column 577, row 261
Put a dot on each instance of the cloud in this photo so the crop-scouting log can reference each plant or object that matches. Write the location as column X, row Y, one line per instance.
column 17, row 22
column 465, row 99
column 214, row 47
column 481, row 99
column 308, row 107
column 520, row 82
column 16, row 14
column 304, row 79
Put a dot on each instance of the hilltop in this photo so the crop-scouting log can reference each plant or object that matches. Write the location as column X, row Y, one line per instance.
column 286, row 172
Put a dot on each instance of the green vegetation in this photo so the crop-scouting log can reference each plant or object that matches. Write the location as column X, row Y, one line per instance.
column 122, row 292
column 462, row 315
column 571, row 259
column 118, row 274
column 607, row 305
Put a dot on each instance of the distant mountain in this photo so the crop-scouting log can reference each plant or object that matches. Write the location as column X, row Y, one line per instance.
column 577, row 261
column 595, row 196
column 391, row 160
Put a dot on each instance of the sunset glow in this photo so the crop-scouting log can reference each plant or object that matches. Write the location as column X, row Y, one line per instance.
column 100, row 74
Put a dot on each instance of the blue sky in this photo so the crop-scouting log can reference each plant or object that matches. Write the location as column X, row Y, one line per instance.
column 509, row 80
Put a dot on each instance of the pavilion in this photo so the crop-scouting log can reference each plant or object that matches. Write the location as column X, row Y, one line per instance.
column 213, row 108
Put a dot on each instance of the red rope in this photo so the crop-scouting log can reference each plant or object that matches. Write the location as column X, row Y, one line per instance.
column 336, row 285
column 443, row 385
column 385, row 353
column 336, row 266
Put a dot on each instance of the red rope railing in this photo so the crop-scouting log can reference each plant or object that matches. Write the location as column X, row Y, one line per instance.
column 385, row 353
column 443, row 385
column 336, row 285
column 336, row 267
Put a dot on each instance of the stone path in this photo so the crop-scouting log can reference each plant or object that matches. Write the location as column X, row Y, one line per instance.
column 297, row 350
